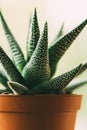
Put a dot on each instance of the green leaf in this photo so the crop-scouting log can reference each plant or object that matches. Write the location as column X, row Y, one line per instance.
column 3, row 81
column 10, row 69
column 18, row 89
column 83, row 68
column 57, row 84
column 3, row 78
column 33, row 35
column 57, row 50
column 37, row 69
column 74, row 85
column 60, row 33
column 16, row 51
column 3, row 91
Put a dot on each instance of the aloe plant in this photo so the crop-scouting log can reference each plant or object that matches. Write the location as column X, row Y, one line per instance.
column 34, row 75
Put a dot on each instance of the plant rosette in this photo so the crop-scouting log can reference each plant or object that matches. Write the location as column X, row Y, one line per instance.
column 33, row 99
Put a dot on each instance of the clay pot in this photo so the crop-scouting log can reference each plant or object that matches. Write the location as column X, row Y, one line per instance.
column 38, row 112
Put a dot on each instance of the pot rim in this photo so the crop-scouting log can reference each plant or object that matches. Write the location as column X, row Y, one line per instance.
column 47, row 95
column 40, row 103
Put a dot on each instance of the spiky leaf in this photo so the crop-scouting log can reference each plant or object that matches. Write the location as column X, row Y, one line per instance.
column 33, row 35
column 57, row 50
column 10, row 69
column 60, row 33
column 57, row 84
column 84, row 67
column 3, row 78
column 37, row 69
column 18, row 89
column 75, row 85
column 3, row 81
column 16, row 51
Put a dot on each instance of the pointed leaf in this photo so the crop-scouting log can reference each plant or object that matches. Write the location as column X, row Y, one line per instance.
column 84, row 68
column 60, row 33
column 75, row 85
column 37, row 69
column 57, row 50
column 10, row 69
column 18, row 89
column 33, row 35
column 3, row 81
column 16, row 51
column 3, row 78
column 57, row 84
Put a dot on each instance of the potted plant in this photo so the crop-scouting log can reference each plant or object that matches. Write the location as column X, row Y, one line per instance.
column 33, row 98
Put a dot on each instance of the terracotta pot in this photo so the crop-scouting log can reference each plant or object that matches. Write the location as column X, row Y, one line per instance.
column 38, row 112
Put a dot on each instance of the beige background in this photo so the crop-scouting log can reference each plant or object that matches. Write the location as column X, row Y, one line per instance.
column 71, row 12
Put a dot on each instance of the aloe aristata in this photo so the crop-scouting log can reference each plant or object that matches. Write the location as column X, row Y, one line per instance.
column 34, row 75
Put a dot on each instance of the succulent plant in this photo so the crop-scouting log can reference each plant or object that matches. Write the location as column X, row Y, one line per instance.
column 34, row 74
